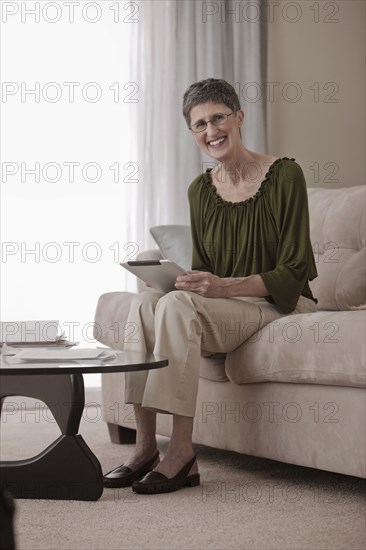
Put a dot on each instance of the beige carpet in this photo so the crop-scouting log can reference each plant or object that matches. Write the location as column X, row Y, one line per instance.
column 242, row 503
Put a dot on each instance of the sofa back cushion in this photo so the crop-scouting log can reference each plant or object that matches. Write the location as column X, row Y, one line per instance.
column 337, row 230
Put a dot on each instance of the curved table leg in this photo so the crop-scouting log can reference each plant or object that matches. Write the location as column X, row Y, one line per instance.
column 67, row 469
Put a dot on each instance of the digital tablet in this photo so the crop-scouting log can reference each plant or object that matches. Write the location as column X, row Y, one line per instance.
column 160, row 274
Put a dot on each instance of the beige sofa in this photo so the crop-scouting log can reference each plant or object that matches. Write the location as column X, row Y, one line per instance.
column 296, row 391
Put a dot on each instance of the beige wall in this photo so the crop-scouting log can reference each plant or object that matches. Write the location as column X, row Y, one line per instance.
column 325, row 129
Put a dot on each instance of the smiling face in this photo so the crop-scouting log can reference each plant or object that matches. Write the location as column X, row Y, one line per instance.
column 219, row 142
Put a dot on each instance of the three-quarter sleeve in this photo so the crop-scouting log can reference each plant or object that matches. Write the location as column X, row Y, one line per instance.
column 295, row 263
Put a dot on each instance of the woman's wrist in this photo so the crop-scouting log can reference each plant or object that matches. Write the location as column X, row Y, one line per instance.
column 250, row 286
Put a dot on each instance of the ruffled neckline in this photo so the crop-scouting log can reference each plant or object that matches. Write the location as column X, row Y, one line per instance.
column 219, row 200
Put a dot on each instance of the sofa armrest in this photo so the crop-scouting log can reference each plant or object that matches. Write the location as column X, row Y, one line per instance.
column 110, row 318
column 152, row 254
column 113, row 308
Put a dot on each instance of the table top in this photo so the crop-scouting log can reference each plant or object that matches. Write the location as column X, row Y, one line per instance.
column 125, row 361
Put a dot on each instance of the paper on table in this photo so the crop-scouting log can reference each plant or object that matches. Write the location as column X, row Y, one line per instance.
column 62, row 355
column 13, row 349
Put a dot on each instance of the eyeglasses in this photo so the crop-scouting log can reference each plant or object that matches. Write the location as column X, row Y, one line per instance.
column 216, row 120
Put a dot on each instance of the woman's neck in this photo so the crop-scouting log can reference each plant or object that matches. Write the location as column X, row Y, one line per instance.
column 238, row 168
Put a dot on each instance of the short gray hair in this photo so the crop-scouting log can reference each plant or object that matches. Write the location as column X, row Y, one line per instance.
column 212, row 90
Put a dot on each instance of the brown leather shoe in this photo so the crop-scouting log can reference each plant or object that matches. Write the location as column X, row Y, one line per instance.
column 123, row 476
column 155, row 482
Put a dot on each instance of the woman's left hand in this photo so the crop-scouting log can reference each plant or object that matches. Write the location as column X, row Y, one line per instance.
column 202, row 282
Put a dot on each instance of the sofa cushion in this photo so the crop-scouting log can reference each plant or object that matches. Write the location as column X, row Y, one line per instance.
column 212, row 367
column 175, row 243
column 317, row 348
column 337, row 230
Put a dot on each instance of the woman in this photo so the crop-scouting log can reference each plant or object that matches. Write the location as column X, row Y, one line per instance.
column 252, row 260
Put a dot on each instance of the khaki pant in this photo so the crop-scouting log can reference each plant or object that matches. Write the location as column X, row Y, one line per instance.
column 182, row 325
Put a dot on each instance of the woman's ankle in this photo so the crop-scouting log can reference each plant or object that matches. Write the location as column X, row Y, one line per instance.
column 146, row 448
column 138, row 458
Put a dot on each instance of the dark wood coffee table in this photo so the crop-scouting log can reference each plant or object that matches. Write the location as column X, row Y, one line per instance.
column 67, row 469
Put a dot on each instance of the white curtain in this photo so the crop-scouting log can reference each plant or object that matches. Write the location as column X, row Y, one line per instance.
column 174, row 44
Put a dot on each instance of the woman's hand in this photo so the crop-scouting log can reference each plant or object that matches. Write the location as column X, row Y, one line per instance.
column 202, row 282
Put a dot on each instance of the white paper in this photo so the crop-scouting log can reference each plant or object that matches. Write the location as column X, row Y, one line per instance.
column 61, row 355
column 13, row 349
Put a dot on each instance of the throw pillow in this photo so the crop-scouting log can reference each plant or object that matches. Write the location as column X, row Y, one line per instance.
column 175, row 243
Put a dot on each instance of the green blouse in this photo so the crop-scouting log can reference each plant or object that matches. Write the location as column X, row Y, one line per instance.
column 267, row 234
